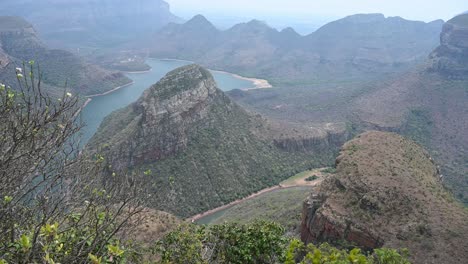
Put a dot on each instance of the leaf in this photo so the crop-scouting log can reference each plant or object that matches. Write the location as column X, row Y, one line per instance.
column 94, row 259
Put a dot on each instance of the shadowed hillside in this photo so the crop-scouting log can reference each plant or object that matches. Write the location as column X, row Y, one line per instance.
column 19, row 43
column 91, row 23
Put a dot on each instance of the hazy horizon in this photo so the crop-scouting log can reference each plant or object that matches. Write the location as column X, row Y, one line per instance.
column 313, row 13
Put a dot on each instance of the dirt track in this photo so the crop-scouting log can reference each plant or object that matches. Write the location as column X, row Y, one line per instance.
column 296, row 183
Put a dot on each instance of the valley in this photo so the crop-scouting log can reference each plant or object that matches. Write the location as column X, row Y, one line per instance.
column 129, row 134
column 299, row 184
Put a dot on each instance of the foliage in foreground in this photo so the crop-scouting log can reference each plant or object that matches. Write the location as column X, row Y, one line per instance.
column 54, row 206
column 258, row 242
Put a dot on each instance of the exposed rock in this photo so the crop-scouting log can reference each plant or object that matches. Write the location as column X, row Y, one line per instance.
column 451, row 57
column 387, row 192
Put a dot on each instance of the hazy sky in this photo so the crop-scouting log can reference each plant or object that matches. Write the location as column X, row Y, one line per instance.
column 426, row 10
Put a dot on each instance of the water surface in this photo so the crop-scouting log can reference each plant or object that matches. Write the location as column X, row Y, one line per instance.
column 101, row 106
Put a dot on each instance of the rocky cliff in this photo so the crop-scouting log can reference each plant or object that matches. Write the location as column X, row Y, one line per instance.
column 387, row 192
column 451, row 57
column 20, row 43
column 200, row 149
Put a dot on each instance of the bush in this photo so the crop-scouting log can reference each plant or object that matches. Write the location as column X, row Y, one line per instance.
column 54, row 205
column 259, row 242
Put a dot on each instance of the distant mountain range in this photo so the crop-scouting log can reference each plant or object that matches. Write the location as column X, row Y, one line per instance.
column 20, row 43
column 91, row 23
column 341, row 49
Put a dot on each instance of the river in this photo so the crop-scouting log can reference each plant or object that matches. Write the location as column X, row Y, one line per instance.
column 101, row 106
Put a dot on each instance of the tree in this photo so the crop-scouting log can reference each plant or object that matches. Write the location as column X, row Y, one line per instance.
column 55, row 205
column 257, row 242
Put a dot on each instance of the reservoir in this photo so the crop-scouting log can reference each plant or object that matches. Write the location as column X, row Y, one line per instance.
column 101, row 106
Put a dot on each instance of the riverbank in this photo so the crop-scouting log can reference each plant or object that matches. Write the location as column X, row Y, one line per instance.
column 258, row 83
column 89, row 98
column 138, row 72
column 110, row 91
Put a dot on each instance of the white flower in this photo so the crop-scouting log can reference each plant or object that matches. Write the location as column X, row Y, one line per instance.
column 19, row 70
column 69, row 94
column 2, row 86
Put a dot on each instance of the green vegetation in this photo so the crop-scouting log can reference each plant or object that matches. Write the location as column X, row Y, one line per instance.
column 312, row 178
column 329, row 170
column 296, row 177
column 223, row 153
column 325, row 254
column 258, row 242
column 283, row 206
column 54, row 206
column 418, row 126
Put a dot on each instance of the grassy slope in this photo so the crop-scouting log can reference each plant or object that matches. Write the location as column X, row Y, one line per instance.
column 283, row 206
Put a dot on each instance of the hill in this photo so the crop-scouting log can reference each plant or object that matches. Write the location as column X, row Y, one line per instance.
column 429, row 105
column 343, row 49
column 200, row 150
column 91, row 23
column 388, row 192
column 20, row 43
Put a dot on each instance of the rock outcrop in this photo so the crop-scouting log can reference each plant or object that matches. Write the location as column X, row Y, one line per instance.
column 202, row 149
column 451, row 57
column 387, row 192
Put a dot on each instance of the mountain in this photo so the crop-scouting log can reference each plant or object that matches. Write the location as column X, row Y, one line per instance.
column 199, row 150
column 388, row 192
column 91, row 23
column 351, row 46
column 20, row 43
column 451, row 57
column 371, row 40
column 429, row 104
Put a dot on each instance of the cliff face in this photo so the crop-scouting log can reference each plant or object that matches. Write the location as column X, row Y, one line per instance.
column 165, row 115
column 20, row 43
column 202, row 149
column 451, row 57
column 387, row 192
